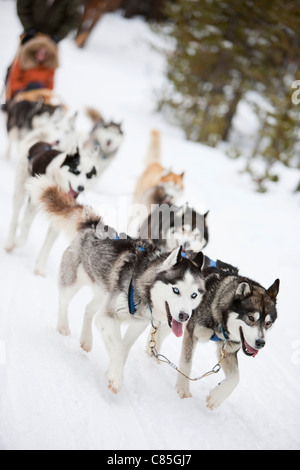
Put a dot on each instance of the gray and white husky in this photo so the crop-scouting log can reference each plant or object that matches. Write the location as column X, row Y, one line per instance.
column 132, row 280
column 106, row 136
column 234, row 309
column 169, row 227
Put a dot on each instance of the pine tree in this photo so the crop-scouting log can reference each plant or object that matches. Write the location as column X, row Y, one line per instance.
column 224, row 49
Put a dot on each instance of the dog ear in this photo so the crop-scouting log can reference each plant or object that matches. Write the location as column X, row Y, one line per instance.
column 244, row 290
column 199, row 259
column 72, row 120
column 173, row 259
column 274, row 289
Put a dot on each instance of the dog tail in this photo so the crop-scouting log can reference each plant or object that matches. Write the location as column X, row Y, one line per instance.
column 63, row 212
column 154, row 151
column 94, row 115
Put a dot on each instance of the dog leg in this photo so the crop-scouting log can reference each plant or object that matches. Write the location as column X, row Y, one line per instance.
column 28, row 218
column 66, row 294
column 219, row 394
column 134, row 330
column 12, row 137
column 86, row 339
column 111, row 333
column 188, row 349
column 41, row 262
column 18, row 202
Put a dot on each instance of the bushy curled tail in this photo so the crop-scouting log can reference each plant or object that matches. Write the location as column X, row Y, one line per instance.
column 63, row 212
column 154, row 150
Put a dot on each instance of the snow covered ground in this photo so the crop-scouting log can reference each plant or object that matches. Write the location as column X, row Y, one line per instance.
column 55, row 396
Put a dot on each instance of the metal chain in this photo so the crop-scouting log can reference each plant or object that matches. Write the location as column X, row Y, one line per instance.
column 164, row 359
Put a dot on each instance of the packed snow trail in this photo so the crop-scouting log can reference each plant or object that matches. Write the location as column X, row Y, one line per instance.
column 55, row 396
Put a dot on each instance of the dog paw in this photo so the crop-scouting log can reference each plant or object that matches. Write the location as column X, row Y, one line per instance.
column 215, row 398
column 64, row 331
column 114, row 383
column 87, row 347
column 113, row 387
column 9, row 247
column 39, row 272
column 184, row 393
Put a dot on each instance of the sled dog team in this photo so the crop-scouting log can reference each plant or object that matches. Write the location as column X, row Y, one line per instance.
column 161, row 278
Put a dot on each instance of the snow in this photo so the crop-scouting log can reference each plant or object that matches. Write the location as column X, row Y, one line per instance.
column 55, row 396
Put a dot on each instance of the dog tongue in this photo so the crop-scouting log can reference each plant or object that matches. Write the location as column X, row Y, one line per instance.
column 253, row 351
column 177, row 328
column 72, row 194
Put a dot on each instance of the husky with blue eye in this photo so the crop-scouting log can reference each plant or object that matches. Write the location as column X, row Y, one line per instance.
column 131, row 279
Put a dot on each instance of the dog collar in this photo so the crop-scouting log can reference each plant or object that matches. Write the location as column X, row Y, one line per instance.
column 216, row 338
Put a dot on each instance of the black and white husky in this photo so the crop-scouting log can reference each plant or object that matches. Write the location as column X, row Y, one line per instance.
column 234, row 309
column 45, row 151
column 26, row 116
column 132, row 280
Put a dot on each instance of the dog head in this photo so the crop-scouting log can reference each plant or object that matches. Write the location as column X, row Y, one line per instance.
column 252, row 314
column 189, row 229
column 108, row 136
column 76, row 173
column 178, row 289
column 172, row 185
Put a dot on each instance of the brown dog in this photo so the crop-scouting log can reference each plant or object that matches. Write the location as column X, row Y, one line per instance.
column 93, row 11
column 157, row 185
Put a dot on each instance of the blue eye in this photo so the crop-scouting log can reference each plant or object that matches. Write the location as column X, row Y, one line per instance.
column 194, row 295
column 74, row 171
column 176, row 290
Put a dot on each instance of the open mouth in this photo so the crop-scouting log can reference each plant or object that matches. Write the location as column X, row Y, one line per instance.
column 175, row 326
column 248, row 350
column 72, row 194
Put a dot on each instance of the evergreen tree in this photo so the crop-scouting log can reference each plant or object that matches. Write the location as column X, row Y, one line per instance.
column 224, row 49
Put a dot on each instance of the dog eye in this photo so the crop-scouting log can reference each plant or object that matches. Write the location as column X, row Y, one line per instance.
column 176, row 290
column 194, row 295
column 74, row 171
column 268, row 324
column 251, row 318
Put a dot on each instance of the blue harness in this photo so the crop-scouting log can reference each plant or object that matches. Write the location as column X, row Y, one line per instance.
column 212, row 263
column 216, row 338
column 131, row 303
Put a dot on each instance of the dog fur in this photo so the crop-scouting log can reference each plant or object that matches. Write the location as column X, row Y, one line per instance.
column 49, row 150
column 157, row 185
column 25, row 116
column 164, row 286
column 106, row 136
column 239, row 308
column 169, row 226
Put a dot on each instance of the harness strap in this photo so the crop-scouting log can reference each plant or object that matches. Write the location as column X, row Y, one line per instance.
column 131, row 303
column 212, row 263
column 216, row 338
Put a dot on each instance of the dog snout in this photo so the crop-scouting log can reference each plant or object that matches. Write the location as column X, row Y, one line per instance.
column 183, row 317
column 80, row 189
column 260, row 343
